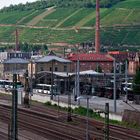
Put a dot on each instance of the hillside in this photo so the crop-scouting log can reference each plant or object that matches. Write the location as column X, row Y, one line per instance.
column 120, row 25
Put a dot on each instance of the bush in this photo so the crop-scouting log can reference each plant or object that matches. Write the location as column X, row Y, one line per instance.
column 80, row 110
column 48, row 103
column 136, row 85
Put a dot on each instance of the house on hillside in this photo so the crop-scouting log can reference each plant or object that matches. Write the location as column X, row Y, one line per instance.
column 92, row 61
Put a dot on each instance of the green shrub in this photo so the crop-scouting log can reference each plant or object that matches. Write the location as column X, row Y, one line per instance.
column 136, row 85
column 48, row 103
column 55, row 105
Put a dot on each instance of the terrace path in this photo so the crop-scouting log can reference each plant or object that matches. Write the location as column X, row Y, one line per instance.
column 35, row 20
column 67, row 18
column 18, row 22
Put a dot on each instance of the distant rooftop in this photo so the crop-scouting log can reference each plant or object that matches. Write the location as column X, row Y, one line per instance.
column 90, row 57
column 16, row 61
column 51, row 58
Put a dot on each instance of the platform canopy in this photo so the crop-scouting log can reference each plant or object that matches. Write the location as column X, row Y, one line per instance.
column 82, row 73
column 67, row 74
column 89, row 72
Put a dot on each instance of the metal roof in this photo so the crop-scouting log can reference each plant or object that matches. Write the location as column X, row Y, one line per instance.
column 51, row 58
column 67, row 74
column 61, row 74
column 16, row 61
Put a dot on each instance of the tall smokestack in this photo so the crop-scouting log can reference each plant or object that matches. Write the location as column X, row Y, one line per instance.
column 97, row 32
column 17, row 42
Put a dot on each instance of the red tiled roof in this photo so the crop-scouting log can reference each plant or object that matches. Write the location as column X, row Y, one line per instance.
column 117, row 52
column 90, row 57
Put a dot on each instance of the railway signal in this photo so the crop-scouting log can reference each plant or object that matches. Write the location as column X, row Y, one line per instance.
column 27, row 90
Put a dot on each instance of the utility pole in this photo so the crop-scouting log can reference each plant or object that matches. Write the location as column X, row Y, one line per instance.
column 69, row 119
column 126, row 81
column 114, row 91
column 31, row 80
column 14, row 129
column 52, row 82
column 106, row 129
column 87, row 119
column 78, row 75
column 106, row 121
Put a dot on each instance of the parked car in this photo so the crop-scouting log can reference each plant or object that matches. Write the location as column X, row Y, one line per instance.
column 109, row 93
column 100, row 91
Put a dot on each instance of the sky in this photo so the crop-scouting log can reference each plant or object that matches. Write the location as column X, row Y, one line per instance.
column 8, row 2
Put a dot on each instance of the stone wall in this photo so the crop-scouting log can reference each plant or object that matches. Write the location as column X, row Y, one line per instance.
column 132, row 117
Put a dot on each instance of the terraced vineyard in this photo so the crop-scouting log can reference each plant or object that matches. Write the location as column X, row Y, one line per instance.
column 56, row 17
column 53, row 35
column 33, row 14
column 13, row 17
column 5, row 34
column 120, row 25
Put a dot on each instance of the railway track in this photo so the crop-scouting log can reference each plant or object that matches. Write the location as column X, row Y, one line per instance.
column 45, row 126
column 122, row 132
column 3, row 136
column 46, row 121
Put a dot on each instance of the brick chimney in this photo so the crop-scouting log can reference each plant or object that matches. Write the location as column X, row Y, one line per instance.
column 97, row 32
column 17, row 41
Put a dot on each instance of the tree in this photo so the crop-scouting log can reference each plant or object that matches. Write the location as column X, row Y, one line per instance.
column 98, row 68
column 136, row 85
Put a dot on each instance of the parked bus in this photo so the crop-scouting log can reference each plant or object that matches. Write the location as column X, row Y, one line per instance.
column 8, row 84
column 2, row 83
column 46, row 89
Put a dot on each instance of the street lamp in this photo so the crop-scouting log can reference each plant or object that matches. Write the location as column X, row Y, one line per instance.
column 87, row 114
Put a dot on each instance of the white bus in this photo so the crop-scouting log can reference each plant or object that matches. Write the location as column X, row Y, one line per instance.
column 46, row 89
column 8, row 84
column 2, row 83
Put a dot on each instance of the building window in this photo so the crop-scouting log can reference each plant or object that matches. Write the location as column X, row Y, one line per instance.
column 65, row 68
column 41, row 69
column 56, row 68
column 50, row 68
